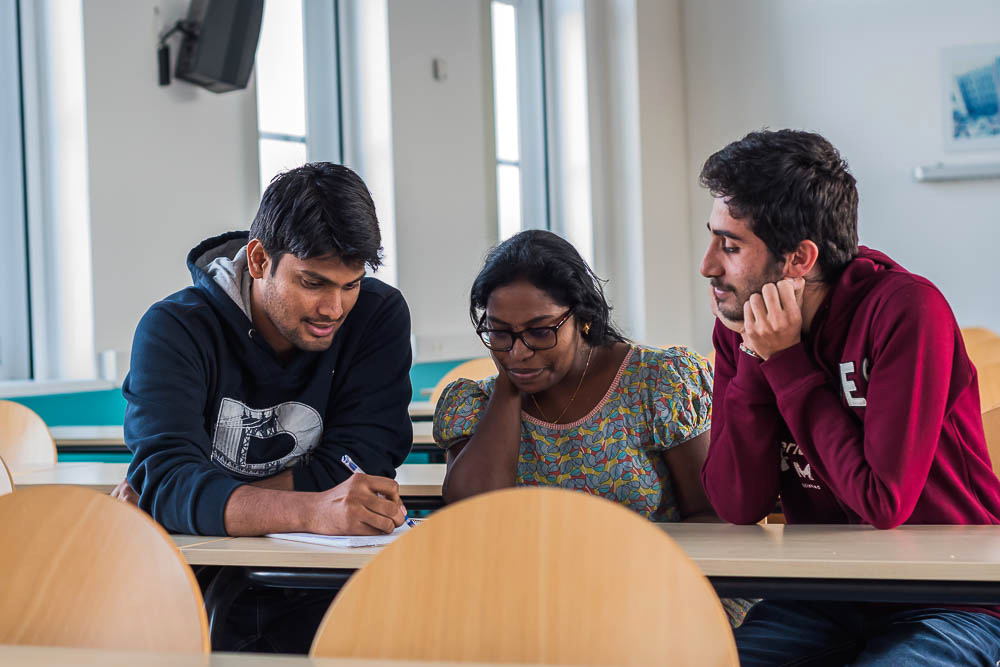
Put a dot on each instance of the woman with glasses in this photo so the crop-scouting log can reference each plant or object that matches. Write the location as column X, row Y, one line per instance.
column 574, row 404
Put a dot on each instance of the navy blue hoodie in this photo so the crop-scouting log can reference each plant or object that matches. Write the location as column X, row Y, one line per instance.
column 210, row 407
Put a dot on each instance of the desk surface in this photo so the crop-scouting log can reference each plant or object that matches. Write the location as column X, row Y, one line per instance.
column 32, row 656
column 415, row 479
column 113, row 436
column 925, row 553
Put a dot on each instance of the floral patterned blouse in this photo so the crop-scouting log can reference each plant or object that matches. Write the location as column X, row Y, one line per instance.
column 658, row 400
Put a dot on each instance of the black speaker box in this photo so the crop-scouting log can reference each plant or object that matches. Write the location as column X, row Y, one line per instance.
column 218, row 52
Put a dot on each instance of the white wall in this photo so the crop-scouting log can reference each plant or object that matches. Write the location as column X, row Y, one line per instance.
column 445, row 178
column 639, row 166
column 168, row 166
column 866, row 75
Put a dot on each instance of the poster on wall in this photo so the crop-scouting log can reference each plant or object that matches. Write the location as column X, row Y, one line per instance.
column 972, row 103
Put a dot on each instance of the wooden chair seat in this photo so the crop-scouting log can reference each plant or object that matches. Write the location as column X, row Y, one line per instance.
column 989, row 385
column 6, row 481
column 531, row 575
column 25, row 441
column 473, row 369
column 991, row 425
column 81, row 569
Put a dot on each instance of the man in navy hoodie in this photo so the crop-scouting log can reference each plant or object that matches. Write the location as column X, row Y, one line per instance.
column 842, row 388
column 247, row 388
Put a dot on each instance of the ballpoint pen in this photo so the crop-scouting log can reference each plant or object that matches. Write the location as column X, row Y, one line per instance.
column 354, row 468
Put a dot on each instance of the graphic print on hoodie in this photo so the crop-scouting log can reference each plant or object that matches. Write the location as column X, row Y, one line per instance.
column 210, row 407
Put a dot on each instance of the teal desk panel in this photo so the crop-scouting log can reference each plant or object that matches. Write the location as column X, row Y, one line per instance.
column 107, row 407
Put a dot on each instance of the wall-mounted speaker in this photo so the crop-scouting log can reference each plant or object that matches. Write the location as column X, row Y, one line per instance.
column 219, row 44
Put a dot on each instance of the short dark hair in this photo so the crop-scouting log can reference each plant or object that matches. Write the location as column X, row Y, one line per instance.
column 790, row 186
column 554, row 266
column 315, row 210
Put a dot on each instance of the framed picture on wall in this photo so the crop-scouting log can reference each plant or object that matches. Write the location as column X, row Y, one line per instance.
column 972, row 101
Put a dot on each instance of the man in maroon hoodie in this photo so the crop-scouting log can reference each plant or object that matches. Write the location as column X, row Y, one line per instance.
column 842, row 388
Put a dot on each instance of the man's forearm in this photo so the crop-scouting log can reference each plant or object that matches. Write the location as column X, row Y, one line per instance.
column 252, row 510
column 283, row 481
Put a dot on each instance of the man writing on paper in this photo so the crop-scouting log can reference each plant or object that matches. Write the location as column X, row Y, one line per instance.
column 843, row 388
column 247, row 388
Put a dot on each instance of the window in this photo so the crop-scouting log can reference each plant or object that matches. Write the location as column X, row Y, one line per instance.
column 45, row 197
column 322, row 73
column 519, row 116
column 567, row 100
column 281, row 96
column 15, row 347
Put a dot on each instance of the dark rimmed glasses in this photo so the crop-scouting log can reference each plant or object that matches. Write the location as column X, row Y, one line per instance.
column 534, row 338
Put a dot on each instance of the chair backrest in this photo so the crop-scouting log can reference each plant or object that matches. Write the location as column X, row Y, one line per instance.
column 989, row 385
column 473, row 369
column 536, row 575
column 6, row 481
column 25, row 441
column 984, row 349
column 974, row 335
column 79, row 568
column 991, row 425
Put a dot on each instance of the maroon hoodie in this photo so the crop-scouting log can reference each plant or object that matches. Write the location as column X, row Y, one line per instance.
column 873, row 418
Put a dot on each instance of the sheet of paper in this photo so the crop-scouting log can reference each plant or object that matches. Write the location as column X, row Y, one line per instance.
column 343, row 540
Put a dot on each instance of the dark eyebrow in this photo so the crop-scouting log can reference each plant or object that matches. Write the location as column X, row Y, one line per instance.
column 528, row 324
column 319, row 277
column 721, row 232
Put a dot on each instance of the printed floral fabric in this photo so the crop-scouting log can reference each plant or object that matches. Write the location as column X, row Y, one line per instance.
column 659, row 399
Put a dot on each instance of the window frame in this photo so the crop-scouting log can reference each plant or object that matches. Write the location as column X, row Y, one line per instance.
column 15, row 332
column 532, row 162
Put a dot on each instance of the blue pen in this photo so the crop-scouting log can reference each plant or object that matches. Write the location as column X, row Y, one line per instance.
column 353, row 467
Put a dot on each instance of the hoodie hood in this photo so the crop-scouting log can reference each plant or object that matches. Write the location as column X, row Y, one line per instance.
column 218, row 267
column 863, row 275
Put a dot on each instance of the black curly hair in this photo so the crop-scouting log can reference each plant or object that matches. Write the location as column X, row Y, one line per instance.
column 554, row 266
column 790, row 186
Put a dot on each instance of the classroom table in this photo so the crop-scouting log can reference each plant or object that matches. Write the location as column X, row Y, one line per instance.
column 421, row 410
column 926, row 564
column 32, row 656
column 112, row 438
column 419, row 483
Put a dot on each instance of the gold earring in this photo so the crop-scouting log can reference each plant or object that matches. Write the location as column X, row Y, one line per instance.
column 586, row 328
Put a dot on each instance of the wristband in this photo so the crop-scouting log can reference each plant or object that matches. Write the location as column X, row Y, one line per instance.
column 744, row 348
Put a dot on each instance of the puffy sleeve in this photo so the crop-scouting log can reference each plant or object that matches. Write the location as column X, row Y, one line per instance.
column 458, row 411
column 680, row 381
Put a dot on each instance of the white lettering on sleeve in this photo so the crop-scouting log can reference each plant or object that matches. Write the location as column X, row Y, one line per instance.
column 849, row 386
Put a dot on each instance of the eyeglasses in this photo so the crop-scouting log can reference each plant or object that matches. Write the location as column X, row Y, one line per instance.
column 534, row 338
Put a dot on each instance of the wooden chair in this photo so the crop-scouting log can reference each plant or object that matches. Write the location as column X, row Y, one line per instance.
column 982, row 345
column 79, row 568
column 975, row 335
column 6, row 481
column 25, row 441
column 531, row 575
column 473, row 369
column 989, row 385
column 991, row 425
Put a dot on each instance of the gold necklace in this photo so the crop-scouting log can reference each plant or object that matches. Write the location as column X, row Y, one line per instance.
column 571, row 398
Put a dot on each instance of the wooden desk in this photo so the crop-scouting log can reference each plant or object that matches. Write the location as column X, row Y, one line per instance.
column 32, row 656
column 945, row 564
column 81, row 438
column 102, row 477
column 88, row 436
column 416, row 480
column 421, row 410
